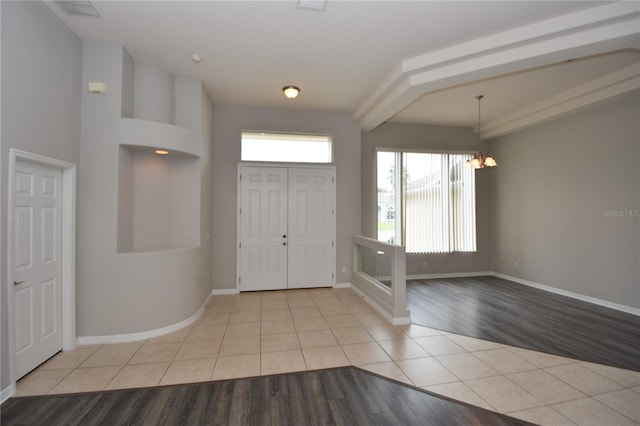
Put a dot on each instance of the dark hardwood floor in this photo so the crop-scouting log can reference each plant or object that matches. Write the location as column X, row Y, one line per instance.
column 495, row 309
column 341, row 396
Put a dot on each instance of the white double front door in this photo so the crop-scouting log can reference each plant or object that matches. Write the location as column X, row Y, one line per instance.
column 287, row 227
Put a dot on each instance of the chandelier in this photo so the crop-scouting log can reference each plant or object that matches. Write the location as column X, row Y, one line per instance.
column 480, row 160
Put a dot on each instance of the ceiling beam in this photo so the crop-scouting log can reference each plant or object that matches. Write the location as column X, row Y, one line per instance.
column 588, row 32
column 600, row 89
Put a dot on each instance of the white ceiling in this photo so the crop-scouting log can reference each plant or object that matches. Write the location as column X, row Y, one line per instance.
column 341, row 56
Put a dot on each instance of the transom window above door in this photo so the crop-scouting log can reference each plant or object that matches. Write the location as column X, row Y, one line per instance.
column 286, row 147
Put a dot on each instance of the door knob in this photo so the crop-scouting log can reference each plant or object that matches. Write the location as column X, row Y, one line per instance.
column 284, row 243
column 18, row 282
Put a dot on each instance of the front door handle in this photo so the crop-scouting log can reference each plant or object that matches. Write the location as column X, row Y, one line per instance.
column 284, row 243
column 18, row 282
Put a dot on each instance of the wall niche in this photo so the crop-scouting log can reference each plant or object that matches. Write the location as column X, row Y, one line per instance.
column 158, row 195
column 156, row 199
column 151, row 93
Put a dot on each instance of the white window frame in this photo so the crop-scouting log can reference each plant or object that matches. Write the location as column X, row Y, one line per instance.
column 400, row 220
column 282, row 149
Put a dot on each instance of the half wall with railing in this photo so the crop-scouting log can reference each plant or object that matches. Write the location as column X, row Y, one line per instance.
column 379, row 276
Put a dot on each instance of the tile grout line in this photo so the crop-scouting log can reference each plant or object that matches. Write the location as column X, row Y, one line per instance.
column 612, row 408
column 544, row 369
column 357, row 313
column 59, row 381
column 297, row 335
column 465, row 349
column 573, row 387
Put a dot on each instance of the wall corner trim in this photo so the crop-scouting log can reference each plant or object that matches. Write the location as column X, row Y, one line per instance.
column 589, row 299
column 7, row 392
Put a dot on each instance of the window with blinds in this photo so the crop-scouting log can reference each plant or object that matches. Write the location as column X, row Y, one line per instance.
column 432, row 196
column 286, row 147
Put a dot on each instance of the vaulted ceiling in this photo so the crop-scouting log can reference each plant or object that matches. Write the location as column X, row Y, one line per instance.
column 403, row 61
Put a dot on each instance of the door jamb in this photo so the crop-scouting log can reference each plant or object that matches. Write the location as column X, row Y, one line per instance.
column 68, row 241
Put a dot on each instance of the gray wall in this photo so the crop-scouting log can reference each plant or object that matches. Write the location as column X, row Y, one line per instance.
column 113, row 291
column 436, row 138
column 229, row 123
column 555, row 195
column 41, row 84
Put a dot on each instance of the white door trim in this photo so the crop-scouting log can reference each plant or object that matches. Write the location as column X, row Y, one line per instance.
column 68, row 248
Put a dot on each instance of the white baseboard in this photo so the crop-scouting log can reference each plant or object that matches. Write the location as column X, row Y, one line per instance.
column 7, row 392
column 123, row 338
column 342, row 285
column 449, row 275
column 380, row 310
column 589, row 299
column 223, row 291
column 401, row 320
column 143, row 335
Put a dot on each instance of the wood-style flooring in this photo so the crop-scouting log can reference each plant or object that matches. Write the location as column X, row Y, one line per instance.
column 495, row 309
column 342, row 396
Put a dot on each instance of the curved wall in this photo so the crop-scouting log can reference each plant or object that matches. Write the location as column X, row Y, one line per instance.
column 126, row 286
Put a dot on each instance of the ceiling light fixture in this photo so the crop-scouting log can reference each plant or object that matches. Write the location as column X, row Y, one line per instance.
column 480, row 160
column 161, row 152
column 196, row 58
column 291, row 92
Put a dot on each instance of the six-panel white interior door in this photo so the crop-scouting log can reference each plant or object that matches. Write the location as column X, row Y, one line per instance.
column 37, row 273
column 286, row 219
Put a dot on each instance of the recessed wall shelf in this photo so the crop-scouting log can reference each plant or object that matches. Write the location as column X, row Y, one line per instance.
column 152, row 135
column 156, row 199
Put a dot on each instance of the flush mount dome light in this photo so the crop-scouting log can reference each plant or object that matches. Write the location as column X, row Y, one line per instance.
column 291, row 92
column 161, row 152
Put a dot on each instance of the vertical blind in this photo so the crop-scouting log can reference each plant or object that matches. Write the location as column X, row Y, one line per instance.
column 435, row 195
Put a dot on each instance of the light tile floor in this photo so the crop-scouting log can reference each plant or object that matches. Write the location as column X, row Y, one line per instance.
column 254, row 334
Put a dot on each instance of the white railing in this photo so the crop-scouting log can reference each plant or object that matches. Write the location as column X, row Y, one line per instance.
column 379, row 275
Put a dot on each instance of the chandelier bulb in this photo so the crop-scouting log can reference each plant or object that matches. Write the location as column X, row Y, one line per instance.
column 291, row 92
